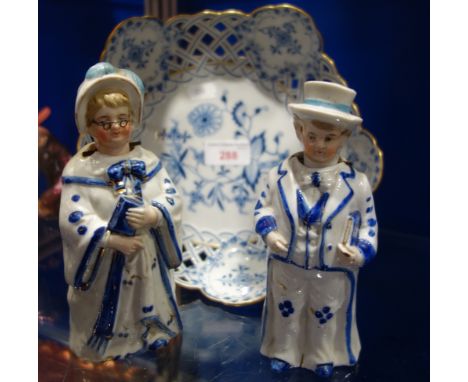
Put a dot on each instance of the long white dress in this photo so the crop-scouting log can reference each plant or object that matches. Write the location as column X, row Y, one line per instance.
column 309, row 314
column 118, row 304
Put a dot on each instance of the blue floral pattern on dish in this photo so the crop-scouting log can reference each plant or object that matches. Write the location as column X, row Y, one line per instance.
column 205, row 119
column 284, row 42
column 225, row 185
column 242, row 276
column 226, row 267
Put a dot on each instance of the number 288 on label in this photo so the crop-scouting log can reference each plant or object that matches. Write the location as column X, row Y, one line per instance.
column 228, row 155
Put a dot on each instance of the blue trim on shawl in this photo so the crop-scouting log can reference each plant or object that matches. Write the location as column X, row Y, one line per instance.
column 102, row 331
column 340, row 207
column 84, row 181
column 153, row 172
column 292, row 240
column 168, row 287
column 265, row 225
column 171, row 229
column 84, row 264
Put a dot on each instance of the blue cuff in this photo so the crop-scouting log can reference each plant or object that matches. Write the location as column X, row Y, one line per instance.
column 367, row 250
column 265, row 225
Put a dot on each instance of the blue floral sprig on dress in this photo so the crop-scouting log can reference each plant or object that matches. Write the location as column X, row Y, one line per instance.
column 286, row 308
column 324, row 315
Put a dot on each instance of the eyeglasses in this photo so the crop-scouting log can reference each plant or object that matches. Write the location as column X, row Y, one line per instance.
column 107, row 125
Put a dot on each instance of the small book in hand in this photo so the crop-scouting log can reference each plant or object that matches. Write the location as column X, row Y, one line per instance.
column 118, row 222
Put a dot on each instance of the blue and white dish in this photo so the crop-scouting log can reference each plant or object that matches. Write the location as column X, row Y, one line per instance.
column 216, row 80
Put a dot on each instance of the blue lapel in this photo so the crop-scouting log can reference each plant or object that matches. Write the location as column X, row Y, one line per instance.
column 338, row 200
column 282, row 173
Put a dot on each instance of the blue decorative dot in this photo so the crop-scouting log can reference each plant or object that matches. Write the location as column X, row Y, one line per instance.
column 369, row 199
column 263, row 194
column 147, row 309
column 329, row 315
column 284, row 313
column 281, row 306
column 166, row 180
column 171, row 191
column 258, row 205
column 371, row 233
column 120, row 334
column 330, row 247
column 75, row 197
column 326, row 309
column 170, row 201
column 287, row 304
column 372, row 222
column 323, row 321
column 75, row 216
column 291, row 311
column 82, row 229
column 256, row 213
column 369, row 209
column 328, row 226
column 318, row 314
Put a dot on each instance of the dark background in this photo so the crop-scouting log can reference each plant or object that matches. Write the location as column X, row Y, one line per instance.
column 381, row 48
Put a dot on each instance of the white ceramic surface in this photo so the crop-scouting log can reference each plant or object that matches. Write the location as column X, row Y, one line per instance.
column 226, row 76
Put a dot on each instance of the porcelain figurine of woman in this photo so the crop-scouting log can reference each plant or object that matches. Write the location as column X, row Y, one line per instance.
column 317, row 218
column 119, row 219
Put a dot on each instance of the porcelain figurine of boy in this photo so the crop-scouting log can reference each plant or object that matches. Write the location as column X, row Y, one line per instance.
column 318, row 220
column 119, row 219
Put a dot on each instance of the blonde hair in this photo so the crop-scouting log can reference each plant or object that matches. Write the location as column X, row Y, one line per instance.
column 109, row 98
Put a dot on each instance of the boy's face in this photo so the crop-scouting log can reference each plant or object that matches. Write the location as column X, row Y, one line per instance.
column 111, row 135
column 321, row 145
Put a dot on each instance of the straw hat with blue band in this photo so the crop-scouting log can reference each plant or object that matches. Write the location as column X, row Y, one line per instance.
column 327, row 102
column 104, row 76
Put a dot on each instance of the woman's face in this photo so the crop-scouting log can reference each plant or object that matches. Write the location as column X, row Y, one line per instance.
column 321, row 145
column 111, row 128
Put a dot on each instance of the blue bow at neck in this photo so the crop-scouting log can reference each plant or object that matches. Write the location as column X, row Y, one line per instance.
column 127, row 170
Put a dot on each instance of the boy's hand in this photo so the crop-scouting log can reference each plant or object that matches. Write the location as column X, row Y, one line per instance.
column 276, row 242
column 128, row 245
column 350, row 255
column 141, row 217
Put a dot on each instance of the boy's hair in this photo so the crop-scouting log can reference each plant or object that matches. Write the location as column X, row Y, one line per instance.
column 109, row 98
column 298, row 123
